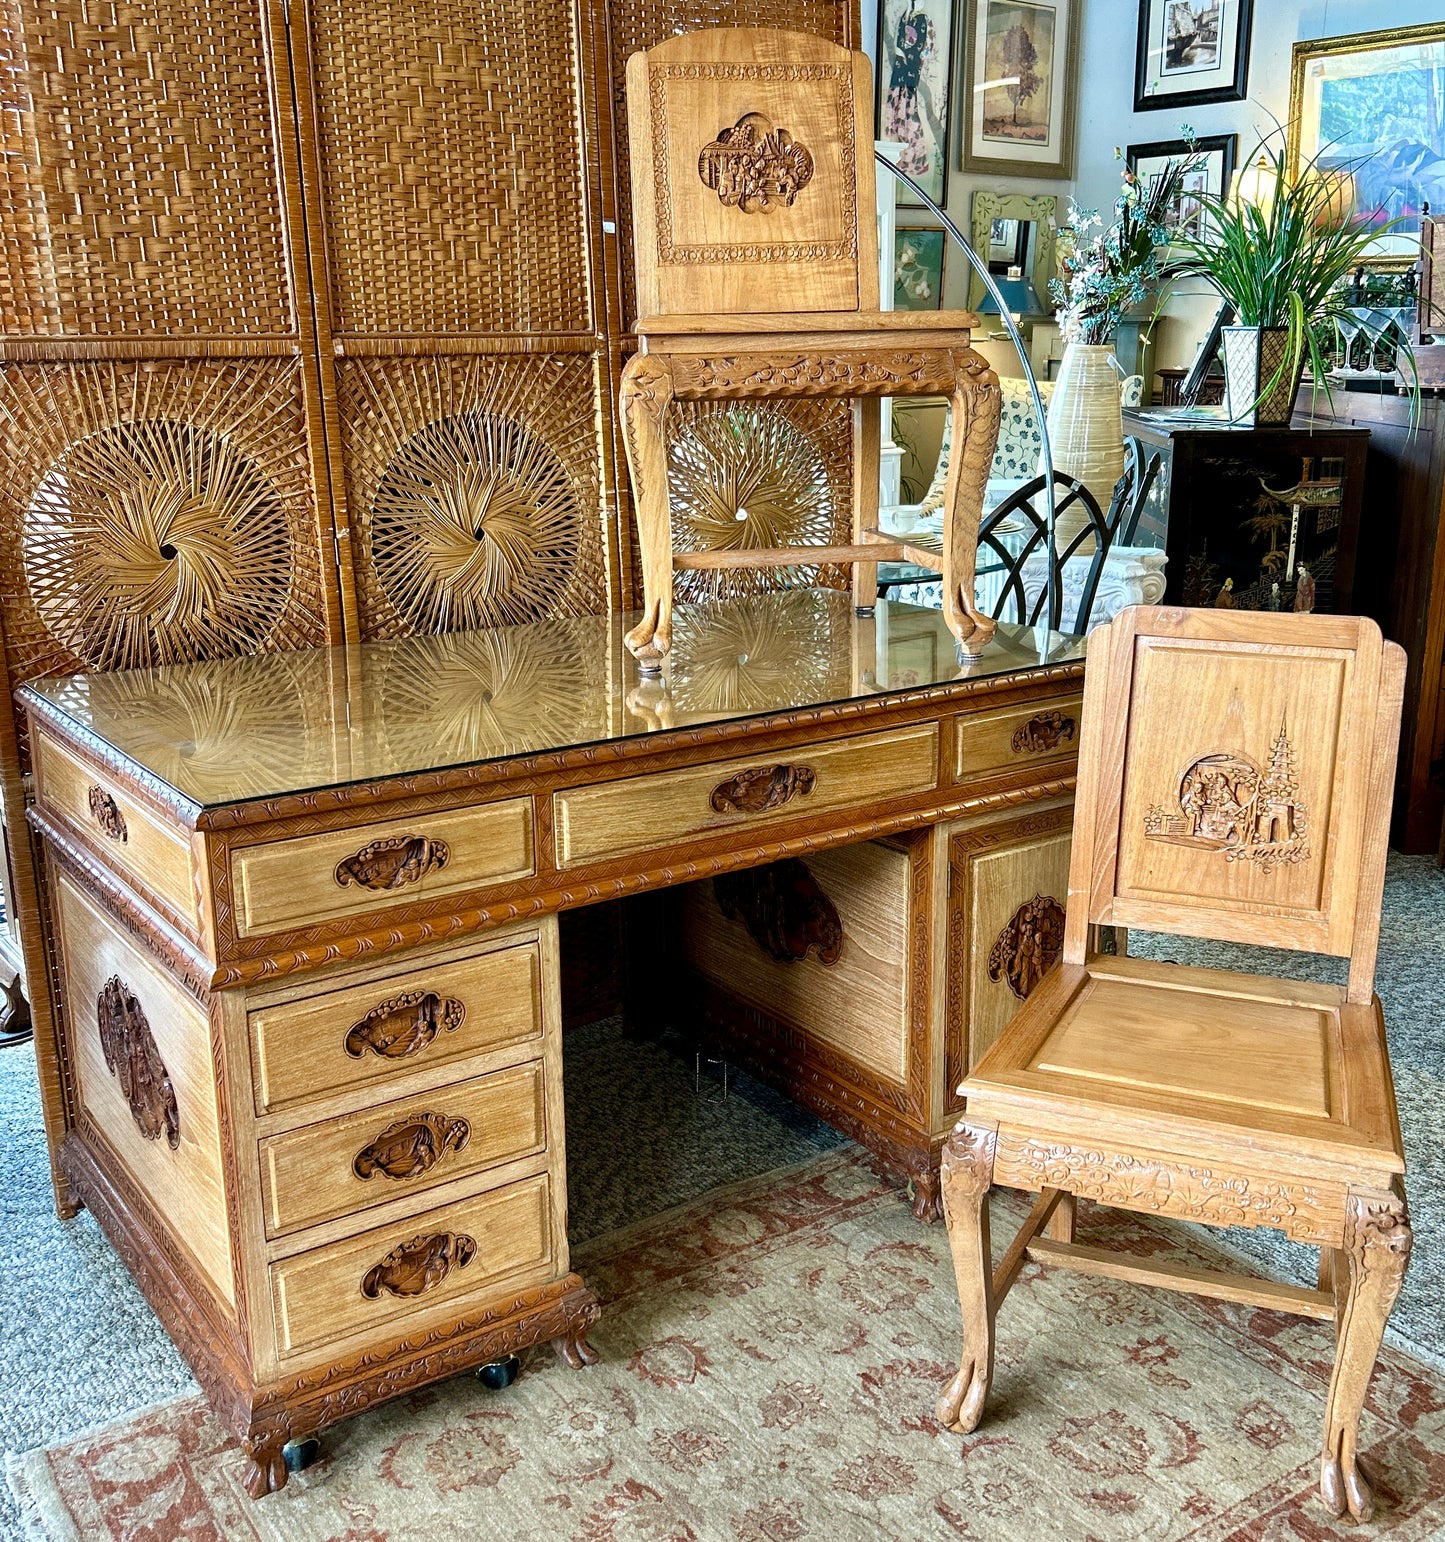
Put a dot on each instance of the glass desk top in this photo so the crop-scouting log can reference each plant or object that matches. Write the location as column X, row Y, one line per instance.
column 228, row 730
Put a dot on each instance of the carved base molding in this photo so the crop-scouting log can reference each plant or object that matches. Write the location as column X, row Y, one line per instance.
column 263, row 1419
column 1161, row 1184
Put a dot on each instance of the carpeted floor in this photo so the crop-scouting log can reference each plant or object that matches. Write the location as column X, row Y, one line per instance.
column 770, row 1358
column 82, row 1348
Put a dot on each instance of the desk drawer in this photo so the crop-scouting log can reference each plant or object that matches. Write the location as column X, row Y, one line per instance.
column 439, row 1259
column 314, row 878
column 1036, row 733
column 156, row 856
column 635, row 813
column 430, row 1015
column 350, row 1164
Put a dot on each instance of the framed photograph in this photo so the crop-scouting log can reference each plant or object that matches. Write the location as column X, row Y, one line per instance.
column 1212, row 175
column 915, row 80
column 1191, row 52
column 1371, row 103
column 918, row 270
column 1021, row 58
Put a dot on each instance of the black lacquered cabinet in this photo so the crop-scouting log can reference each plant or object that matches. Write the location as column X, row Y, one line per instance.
column 1240, row 511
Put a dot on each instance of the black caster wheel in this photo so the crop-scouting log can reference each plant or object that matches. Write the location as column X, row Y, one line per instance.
column 497, row 1374
column 300, row 1454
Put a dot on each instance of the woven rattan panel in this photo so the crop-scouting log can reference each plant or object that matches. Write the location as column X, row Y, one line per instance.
column 756, row 474
column 450, row 157
column 138, row 192
column 636, row 24
column 473, row 480
column 153, row 512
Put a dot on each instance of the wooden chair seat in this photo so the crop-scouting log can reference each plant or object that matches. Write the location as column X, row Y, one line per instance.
column 1234, row 783
column 1178, row 1059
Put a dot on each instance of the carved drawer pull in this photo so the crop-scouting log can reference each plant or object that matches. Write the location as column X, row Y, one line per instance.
column 405, row 1025
column 393, row 863
column 419, row 1265
column 132, row 1058
column 411, row 1147
column 762, row 787
column 1044, row 731
column 105, row 811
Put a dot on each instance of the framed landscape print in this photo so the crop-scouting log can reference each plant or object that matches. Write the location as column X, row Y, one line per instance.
column 915, row 79
column 918, row 270
column 1216, row 154
column 1191, row 52
column 1018, row 118
column 1372, row 104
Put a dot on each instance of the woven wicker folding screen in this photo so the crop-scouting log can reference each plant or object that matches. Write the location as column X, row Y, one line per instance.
column 162, row 498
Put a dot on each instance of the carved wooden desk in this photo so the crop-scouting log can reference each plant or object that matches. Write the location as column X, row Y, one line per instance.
column 303, row 920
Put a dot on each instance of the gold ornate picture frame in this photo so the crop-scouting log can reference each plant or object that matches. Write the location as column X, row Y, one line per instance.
column 1348, row 98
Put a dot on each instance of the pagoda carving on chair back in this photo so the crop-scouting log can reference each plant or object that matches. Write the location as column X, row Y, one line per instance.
column 757, row 276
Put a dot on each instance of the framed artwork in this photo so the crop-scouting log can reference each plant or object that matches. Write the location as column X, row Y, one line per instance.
column 1191, row 52
column 1021, row 58
column 1212, row 175
column 1371, row 103
column 918, row 270
column 915, row 80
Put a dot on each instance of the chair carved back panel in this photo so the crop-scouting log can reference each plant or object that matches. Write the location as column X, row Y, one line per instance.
column 762, row 175
column 1233, row 798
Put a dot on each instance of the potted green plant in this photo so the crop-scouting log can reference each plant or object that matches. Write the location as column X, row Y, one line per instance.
column 1278, row 247
column 1103, row 275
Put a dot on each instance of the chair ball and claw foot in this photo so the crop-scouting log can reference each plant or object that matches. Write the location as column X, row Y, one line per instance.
column 1234, row 784
column 1378, row 1242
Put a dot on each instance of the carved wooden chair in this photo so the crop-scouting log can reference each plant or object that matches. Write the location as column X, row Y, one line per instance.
column 757, row 275
column 1234, row 783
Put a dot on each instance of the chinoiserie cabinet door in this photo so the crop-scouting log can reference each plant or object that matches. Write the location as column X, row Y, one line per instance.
column 1008, row 884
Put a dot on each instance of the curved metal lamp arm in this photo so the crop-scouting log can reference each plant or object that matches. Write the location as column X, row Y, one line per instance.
column 981, row 268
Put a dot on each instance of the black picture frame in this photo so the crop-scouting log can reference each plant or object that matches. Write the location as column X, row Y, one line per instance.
column 1233, row 92
column 1225, row 146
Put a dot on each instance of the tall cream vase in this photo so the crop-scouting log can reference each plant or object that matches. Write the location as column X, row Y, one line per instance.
column 1086, row 431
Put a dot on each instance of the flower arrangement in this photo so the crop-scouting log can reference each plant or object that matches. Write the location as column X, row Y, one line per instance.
column 1104, row 276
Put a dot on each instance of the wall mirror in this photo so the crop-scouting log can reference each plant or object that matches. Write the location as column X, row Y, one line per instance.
column 1014, row 230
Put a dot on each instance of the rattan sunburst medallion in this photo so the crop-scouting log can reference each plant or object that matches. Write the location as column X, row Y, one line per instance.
column 474, row 523
column 745, row 476
column 154, row 540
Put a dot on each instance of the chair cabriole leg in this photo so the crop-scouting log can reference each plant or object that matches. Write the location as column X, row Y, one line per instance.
column 967, row 1172
column 646, row 396
column 1376, row 1253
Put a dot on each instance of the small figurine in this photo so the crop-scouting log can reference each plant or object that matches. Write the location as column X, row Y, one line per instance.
column 1275, row 601
column 1224, row 600
column 1304, row 594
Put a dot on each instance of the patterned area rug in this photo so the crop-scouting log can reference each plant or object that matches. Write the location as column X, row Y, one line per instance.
column 771, row 1357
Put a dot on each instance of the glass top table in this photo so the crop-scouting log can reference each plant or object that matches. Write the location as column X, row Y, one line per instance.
column 230, row 730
